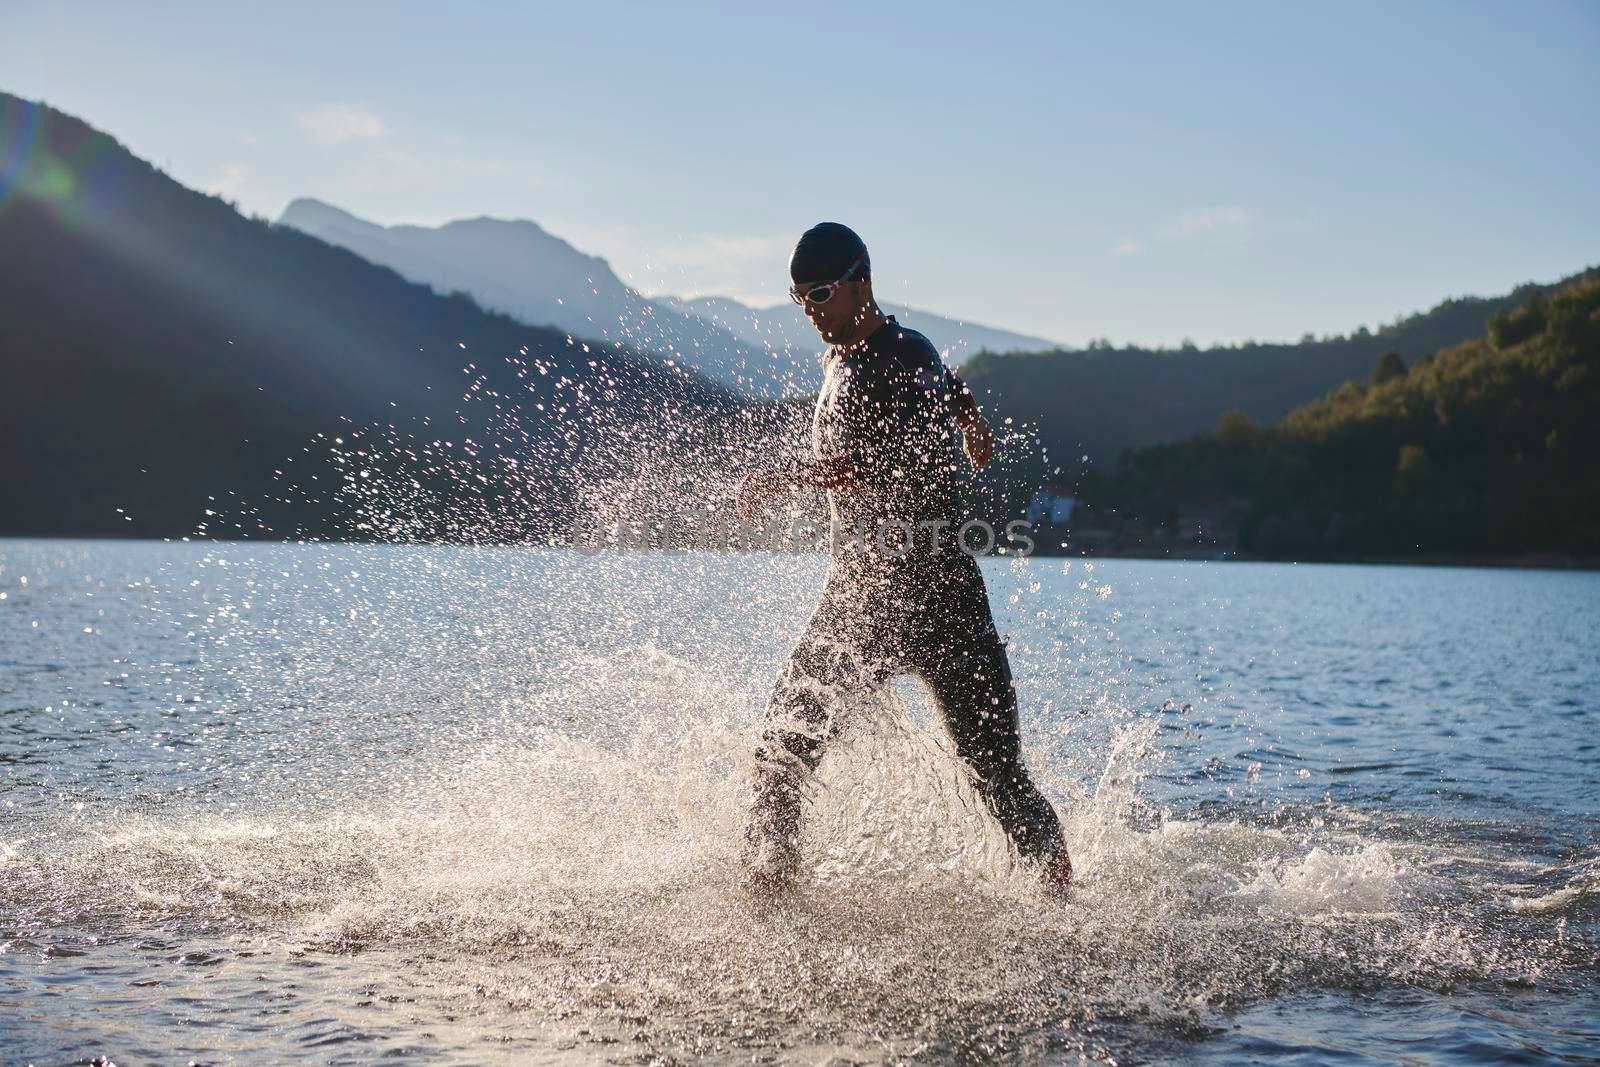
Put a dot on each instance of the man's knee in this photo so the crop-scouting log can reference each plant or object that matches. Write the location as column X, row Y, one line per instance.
column 797, row 720
column 784, row 748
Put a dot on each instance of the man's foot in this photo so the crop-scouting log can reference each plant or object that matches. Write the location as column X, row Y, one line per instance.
column 1056, row 875
column 766, row 886
column 771, row 866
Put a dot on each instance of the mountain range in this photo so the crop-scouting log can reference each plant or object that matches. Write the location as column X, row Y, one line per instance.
column 1093, row 402
column 170, row 365
column 161, row 352
column 517, row 267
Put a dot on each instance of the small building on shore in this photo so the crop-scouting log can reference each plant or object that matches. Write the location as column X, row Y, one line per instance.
column 1052, row 505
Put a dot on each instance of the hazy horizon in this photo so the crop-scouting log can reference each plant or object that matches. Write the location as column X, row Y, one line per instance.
column 1070, row 175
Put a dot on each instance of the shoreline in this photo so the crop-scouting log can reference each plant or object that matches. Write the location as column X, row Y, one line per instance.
column 1541, row 561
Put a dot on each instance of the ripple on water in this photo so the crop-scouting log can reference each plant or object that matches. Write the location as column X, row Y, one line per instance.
column 460, row 809
column 593, row 885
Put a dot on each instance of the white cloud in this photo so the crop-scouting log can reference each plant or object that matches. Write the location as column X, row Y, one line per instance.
column 1128, row 248
column 1211, row 219
column 340, row 123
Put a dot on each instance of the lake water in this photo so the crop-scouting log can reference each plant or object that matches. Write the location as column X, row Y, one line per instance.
column 347, row 804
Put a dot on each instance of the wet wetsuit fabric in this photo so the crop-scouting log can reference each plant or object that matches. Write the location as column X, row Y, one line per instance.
column 887, row 404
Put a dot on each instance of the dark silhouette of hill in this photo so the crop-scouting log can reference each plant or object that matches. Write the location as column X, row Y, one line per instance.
column 1485, row 448
column 160, row 351
column 1102, row 400
column 517, row 267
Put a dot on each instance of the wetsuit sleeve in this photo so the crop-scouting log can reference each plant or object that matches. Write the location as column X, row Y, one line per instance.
column 963, row 405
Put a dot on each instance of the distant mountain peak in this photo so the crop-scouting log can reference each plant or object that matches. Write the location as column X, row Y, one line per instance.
column 308, row 208
column 306, row 212
column 491, row 220
column 518, row 267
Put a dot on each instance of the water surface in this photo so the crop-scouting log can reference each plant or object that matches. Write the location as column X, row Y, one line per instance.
column 346, row 803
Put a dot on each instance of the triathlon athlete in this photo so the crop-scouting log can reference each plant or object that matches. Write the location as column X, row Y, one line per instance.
column 902, row 594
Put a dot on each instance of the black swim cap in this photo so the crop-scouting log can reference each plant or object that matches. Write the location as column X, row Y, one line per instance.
column 825, row 252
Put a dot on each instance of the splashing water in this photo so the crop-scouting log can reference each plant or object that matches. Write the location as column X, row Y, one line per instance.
column 498, row 792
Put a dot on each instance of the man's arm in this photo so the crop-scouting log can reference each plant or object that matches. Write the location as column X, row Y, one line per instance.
column 963, row 405
column 837, row 472
column 977, row 438
column 792, row 476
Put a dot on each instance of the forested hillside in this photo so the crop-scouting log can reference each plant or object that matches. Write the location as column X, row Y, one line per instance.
column 1486, row 448
column 1102, row 400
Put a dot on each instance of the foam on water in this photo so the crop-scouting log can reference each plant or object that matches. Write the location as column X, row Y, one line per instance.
column 593, row 875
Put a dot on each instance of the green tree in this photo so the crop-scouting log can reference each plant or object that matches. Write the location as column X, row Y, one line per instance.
column 1390, row 366
column 1509, row 328
column 1236, row 429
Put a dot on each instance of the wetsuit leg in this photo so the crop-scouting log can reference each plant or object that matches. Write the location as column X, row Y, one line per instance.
column 958, row 653
column 835, row 660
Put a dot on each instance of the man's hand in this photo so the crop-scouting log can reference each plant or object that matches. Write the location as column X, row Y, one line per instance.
column 757, row 488
column 836, row 475
column 977, row 440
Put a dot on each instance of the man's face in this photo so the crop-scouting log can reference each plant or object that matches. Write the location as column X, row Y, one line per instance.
column 838, row 318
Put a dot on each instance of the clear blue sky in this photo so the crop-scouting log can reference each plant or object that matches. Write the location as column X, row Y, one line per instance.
column 1143, row 172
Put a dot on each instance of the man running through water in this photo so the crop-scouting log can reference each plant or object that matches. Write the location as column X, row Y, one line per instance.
column 903, row 595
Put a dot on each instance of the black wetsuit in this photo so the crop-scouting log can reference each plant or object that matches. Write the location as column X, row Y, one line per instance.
column 888, row 607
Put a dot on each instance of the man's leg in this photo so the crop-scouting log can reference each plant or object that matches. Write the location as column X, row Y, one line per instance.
column 824, row 671
column 963, row 661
